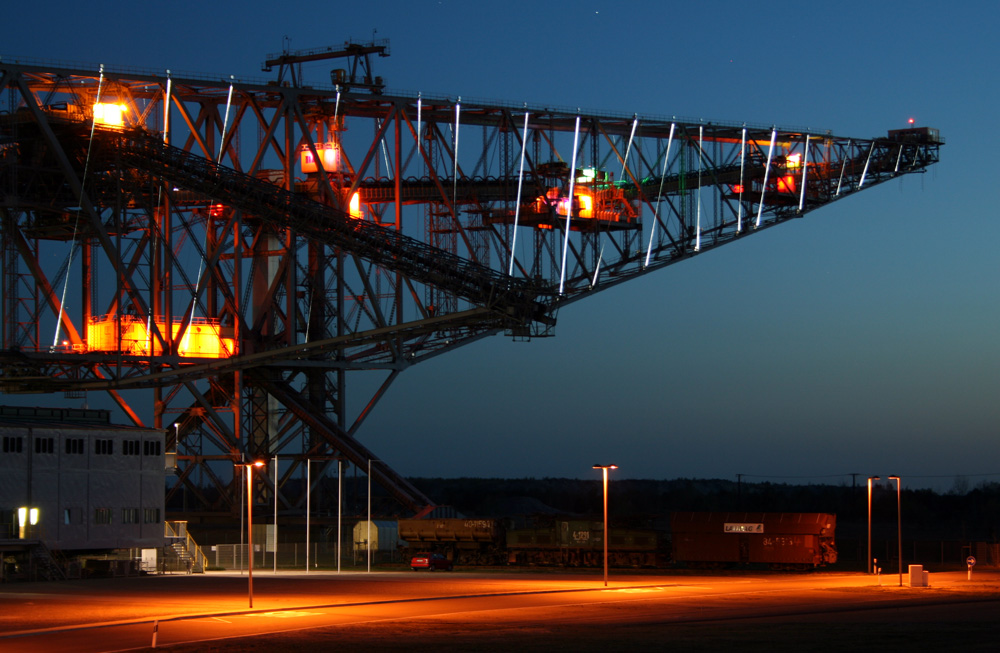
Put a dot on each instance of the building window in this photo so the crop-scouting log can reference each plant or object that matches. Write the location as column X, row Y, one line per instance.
column 130, row 447
column 104, row 447
column 102, row 515
column 151, row 447
column 150, row 515
column 45, row 445
column 130, row 515
column 13, row 444
column 74, row 445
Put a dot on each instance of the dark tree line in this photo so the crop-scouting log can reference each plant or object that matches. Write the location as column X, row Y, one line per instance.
column 973, row 514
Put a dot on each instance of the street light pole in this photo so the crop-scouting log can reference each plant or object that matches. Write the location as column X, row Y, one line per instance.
column 250, row 467
column 275, row 541
column 340, row 504
column 604, row 469
column 308, row 506
column 870, row 479
column 368, row 544
column 899, row 528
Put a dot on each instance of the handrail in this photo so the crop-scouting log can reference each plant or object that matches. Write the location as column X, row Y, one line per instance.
column 192, row 547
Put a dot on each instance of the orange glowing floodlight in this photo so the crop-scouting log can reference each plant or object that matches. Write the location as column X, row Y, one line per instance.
column 328, row 154
column 109, row 115
column 203, row 338
column 786, row 184
column 355, row 205
column 584, row 205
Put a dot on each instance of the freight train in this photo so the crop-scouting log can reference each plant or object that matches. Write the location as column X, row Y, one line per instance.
column 800, row 540
column 701, row 540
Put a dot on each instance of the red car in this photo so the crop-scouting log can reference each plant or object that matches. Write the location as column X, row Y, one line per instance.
column 430, row 561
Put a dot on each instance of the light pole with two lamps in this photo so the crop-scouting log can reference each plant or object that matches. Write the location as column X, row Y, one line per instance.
column 604, row 469
column 899, row 529
column 870, row 479
column 249, row 467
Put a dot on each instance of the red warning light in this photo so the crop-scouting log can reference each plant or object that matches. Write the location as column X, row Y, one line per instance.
column 911, row 121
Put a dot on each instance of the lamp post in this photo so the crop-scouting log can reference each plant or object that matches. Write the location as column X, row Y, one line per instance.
column 870, row 479
column 899, row 529
column 308, row 506
column 275, row 541
column 368, row 545
column 340, row 504
column 249, row 468
column 604, row 469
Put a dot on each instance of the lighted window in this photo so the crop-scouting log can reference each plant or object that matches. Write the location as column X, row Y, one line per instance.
column 204, row 338
column 328, row 152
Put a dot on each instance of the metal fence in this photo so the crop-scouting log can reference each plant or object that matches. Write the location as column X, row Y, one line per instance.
column 290, row 555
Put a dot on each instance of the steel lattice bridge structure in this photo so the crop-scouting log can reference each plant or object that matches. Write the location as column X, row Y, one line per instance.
column 222, row 256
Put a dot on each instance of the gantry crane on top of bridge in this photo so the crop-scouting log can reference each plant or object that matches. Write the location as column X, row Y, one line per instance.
column 238, row 248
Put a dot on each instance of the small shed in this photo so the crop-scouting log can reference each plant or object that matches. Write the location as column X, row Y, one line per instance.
column 383, row 534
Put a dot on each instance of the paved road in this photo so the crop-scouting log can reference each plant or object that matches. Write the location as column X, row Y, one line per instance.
column 498, row 611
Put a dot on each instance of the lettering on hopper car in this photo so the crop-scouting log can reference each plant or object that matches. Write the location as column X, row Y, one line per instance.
column 742, row 528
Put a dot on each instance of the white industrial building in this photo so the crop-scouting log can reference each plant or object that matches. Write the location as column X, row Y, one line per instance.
column 73, row 481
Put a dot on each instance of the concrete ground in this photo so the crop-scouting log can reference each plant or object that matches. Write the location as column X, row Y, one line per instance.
column 473, row 611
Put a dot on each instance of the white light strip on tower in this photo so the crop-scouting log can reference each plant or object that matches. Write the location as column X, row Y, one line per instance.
column 843, row 167
column 569, row 209
column 336, row 106
column 635, row 123
column 597, row 269
column 767, row 170
column 743, row 158
column 166, row 109
column 454, row 185
column 419, row 109
column 225, row 121
column 656, row 210
column 76, row 222
column 697, row 233
column 517, row 205
column 864, row 173
column 805, row 166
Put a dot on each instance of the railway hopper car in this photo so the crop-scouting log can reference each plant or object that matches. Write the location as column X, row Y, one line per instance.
column 578, row 543
column 463, row 541
column 778, row 540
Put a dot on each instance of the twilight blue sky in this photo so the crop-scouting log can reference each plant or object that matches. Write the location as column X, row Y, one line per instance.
column 862, row 339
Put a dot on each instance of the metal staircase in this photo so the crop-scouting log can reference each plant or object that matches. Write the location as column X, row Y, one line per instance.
column 182, row 549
